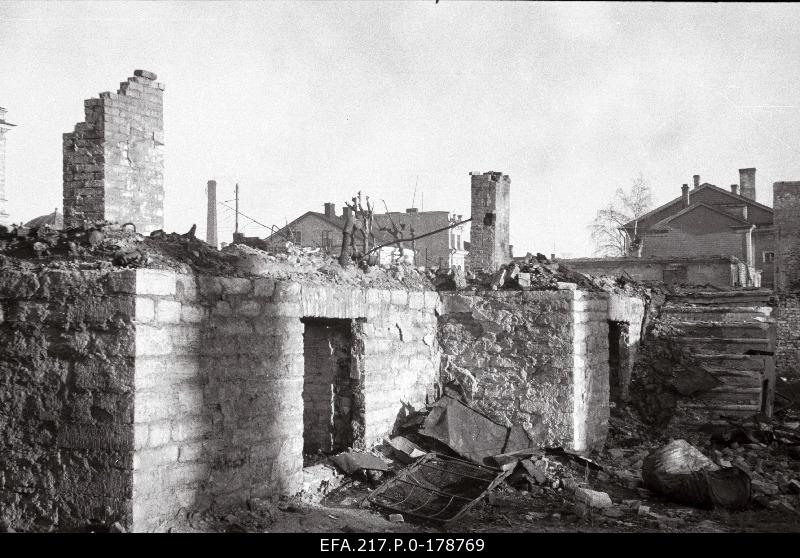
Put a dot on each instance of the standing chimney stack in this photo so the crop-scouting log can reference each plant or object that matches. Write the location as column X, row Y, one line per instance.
column 747, row 182
column 330, row 210
column 735, row 189
column 685, row 191
column 211, row 222
column 696, row 179
column 489, row 228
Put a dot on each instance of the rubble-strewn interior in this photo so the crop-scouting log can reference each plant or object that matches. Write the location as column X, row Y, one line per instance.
column 151, row 382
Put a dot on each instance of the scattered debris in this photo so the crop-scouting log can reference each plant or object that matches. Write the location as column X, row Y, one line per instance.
column 405, row 450
column 354, row 462
column 682, row 473
column 437, row 488
column 593, row 498
column 469, row 433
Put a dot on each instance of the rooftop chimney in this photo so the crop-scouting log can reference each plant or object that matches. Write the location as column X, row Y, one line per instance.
column 685, row 190
column 735, row 189
column 330, row 210
column 412, row 210
column 696, row 179
column 747, row 181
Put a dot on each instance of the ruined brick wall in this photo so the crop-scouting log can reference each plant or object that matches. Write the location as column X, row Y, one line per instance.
column 220, row 374
column 114, row 162
column 132, row 395
column 787, row 329
column 538, row 359
column 786, row 204
column 66, row 398
column 489, row 228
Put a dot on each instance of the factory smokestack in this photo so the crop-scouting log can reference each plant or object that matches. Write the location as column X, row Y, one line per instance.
column 211, row 225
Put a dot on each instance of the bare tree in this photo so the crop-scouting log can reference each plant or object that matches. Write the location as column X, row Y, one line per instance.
column 360, row 219
column 626, row 206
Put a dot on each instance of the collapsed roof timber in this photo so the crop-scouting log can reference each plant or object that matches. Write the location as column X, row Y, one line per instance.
column 146, row 376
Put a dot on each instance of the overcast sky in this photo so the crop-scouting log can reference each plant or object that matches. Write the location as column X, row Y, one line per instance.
column 304, row 102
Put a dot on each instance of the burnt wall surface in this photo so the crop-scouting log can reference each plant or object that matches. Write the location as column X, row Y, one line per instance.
column 538, row 359
column 114, row 161
column 66, row 398
column 220, row 375
column 786, row 202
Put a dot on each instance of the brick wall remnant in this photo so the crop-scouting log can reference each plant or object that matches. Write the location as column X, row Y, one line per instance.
column 131, row 395
column 489, row 228
column 786, row 204
column 114, row 161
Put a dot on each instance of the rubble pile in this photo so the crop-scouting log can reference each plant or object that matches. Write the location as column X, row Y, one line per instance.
column 534, row 272
column 103, row 244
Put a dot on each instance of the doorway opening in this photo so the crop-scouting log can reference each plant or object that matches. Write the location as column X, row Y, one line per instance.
column 331, row 395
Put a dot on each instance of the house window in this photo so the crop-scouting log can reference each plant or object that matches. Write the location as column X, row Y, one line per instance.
column 297, row 237
column 326, row 240
column 768, row 257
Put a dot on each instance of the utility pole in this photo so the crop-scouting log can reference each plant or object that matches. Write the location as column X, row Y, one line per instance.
column 211, row 221
column 236, row 231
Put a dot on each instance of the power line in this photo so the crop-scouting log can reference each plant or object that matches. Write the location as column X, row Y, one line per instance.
column 272, row 228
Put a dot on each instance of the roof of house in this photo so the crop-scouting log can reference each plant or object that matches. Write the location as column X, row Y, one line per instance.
column 664, row 223
column 679, row 200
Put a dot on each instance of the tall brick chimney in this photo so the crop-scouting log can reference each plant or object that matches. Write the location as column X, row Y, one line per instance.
column 696, row 179
column 211, row 219
column 4, row 127
column 685, row 192
column 747, row 182
column 330, row 210
column 489, row 228
column 114, row 160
